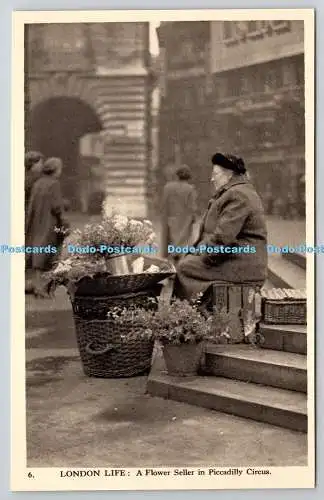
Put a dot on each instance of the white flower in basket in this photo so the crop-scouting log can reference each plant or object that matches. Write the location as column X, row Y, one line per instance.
column 61, row 267
column 114, row 230
column 135, row 224
column 151, row 238
column 120, row 222
column 119, row 226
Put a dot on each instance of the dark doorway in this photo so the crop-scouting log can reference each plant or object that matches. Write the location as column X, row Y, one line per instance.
column 55, row 128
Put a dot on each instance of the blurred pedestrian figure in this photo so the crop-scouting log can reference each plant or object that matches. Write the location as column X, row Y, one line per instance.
column 85, row 183
column 234, row 219
column 90, row 185
column 34, row 161
column 291, row 211
column 44, row 218
column 33, row 169
column 268, row 199
column 179, row 210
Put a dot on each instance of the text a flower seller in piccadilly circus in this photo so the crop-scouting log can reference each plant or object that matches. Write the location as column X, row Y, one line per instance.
column 234, row 218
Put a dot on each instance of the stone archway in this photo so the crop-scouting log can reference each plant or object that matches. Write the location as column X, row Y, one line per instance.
column 55, row 127
column 88, row 90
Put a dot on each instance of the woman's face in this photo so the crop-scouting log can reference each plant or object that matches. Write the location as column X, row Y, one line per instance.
column 220, row 176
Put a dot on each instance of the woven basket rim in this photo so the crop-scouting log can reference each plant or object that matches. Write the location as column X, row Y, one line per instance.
column 123, row 277
column 111, row 297
column 101, row 321
column 114, row 286
column 285, row 300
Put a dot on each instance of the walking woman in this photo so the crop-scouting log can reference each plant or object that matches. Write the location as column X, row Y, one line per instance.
column 234, row 220
column 34, row 162
column 44, row 217
column 179, row 210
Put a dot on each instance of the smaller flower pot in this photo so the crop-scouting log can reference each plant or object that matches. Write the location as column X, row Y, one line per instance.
column 183, row 360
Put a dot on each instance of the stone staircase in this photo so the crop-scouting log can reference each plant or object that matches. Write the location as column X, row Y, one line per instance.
column 267, row 383
column 126, row 114
column 287, row 270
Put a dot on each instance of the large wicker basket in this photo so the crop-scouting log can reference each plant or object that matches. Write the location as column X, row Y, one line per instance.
column 105, row 350
column 283, row 306
column 108, row 285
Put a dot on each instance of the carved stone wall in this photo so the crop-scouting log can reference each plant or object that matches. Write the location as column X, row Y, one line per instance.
column 106, row 66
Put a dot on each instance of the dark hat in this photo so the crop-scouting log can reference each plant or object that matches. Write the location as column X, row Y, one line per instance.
column 31, row 158
column 229, row 162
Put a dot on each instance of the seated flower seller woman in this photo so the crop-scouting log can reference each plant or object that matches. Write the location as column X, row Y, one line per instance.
column 233, row 227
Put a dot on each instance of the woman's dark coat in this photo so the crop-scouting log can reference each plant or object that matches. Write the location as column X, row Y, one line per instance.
column 235, row 217
column 30, row 179
column 44, row 214
column 179, row 207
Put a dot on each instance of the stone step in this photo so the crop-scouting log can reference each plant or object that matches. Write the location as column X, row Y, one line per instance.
column 128, row 98
column 126, row 181
column 116, row 148
column 299, row 259
column 123, row 189
column 285, row 274
column 125, row 199
column 126, row 156
column 125, row 85
column 119, row 117
column 126, row 173
column 288, row 338
column 261, row 366
column 122, row 105
column 271, row 405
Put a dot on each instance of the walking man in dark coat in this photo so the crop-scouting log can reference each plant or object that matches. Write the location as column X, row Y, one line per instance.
column 179, row 210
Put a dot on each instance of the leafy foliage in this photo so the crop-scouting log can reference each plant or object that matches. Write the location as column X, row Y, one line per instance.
column 179, row 322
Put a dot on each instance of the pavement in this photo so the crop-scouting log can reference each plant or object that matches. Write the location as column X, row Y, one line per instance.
column 286, row 232
column 76, row 421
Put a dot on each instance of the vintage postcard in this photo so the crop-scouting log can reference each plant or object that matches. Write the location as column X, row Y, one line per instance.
column 163, row 300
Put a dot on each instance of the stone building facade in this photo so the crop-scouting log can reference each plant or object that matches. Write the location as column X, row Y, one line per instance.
column 88, row 95
column 237, row 87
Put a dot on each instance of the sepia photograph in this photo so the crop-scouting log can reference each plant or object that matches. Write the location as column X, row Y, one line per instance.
column 163, row 327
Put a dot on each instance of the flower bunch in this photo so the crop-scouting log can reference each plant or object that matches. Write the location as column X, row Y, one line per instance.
column 138, row 320
column 179, row 322
column 115, row 230
column 62, row 230
column 77, row 266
